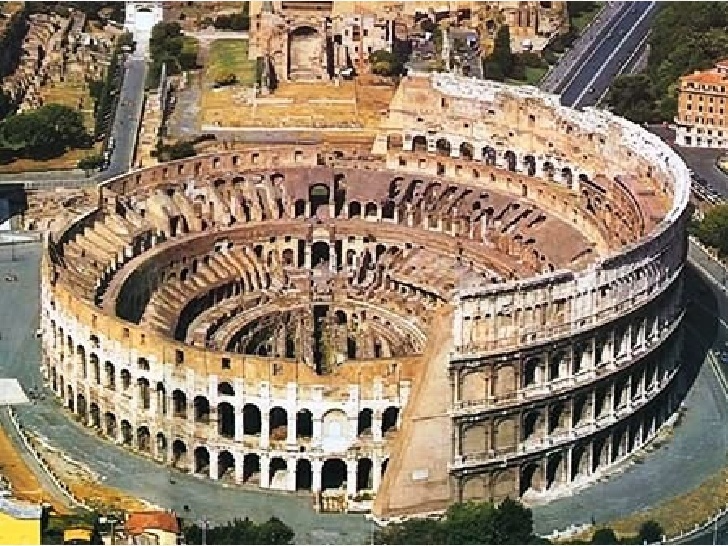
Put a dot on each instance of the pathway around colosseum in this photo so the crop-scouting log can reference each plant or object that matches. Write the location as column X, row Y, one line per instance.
column 697, row 449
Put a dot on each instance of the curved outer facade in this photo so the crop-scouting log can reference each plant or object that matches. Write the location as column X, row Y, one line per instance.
column 498, row 290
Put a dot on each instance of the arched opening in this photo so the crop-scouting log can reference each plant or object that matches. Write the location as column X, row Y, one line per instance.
column 161, row 445
column 225, row 389
column 278, row 419
column 277, row 472
column 530, row 422
column 251, row 468
column 251, row 419
column 364, row 474
column 364, row 423
column 529, row 478
column 530, row 372
column 110, row 376
column 511, row 160
column 304, row 475
column 370, row 211
column 161, row 398
column 226, row 420
column 125, row 376
column 110, row 424
column 144, row 393
column 385, row 463
column 443, row 147
column 489, row 155
column 333, row 474
column 350, row 348
column 319, row 253
column 288, row 257
column 389, row 419
column 318, row 195
column 226, row 466
column 354, row 209
column 202, row 460
column 419, row 144
column 466, row 150
column 179, row 404
column 95, row 415
column 81, row 407
column 553, row 470
column 303, row 51
column 144, row 439
column 304, row 424
column 299, row 208
column 126, row 434
column 70, row 401
column 179, row 455
column 202, row 409
column 530, row 163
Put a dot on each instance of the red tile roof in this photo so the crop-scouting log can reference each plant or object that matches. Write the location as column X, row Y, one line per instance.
column 139, row 522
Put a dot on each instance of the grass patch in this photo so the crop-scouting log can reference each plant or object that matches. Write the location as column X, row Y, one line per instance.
column 230, row 57
column 190, row 45
column 64, row 162
column 580, row 22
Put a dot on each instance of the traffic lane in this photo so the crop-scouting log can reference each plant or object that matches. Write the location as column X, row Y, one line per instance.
column 584, row 45
column 602, row 52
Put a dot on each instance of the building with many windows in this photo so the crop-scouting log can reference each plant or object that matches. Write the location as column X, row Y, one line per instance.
column 702, row 110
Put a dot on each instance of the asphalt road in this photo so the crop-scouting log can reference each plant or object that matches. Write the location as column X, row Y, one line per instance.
column 128, row 114
column 613, row 48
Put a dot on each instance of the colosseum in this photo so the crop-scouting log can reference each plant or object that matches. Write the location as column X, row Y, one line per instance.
column 484, row 302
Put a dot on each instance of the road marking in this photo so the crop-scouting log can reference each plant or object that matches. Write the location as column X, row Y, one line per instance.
column 614, row 52
column 625, row 65
column 565, row 86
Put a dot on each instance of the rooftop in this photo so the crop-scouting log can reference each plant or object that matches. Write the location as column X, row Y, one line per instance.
column 11, row 392
column 139, row 522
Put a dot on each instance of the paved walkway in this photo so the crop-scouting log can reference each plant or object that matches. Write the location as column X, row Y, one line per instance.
column 696, row 451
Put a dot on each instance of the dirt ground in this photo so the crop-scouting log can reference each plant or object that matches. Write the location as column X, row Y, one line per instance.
column 352, row 104
column 25, row 484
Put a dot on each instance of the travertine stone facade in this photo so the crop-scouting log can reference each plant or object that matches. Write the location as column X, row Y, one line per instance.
column 492, row 303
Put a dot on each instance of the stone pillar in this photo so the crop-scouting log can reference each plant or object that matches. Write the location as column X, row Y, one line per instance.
column 264, row 471
column 291, row 474
column 213, row 464
column 377, row 472
column 376, row 426
column 239, row 426
column 350, row 477
column 317, row 431
column 316, row 468
column 264, row 430
column 291, row 429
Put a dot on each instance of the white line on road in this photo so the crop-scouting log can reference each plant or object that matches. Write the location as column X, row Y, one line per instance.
column 594, row 51
column 622, row 67
column 613, row 53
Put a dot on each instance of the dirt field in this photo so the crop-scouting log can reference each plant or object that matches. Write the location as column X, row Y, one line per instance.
column 24, row 483
column 352, row 104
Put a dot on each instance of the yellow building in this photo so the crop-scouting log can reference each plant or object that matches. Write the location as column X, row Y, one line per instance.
column 19, row 522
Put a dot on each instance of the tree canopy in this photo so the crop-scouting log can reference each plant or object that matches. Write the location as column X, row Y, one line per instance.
column 467, row 523
column 684, row 37
column 242, row 531
column 168, row 46
column 713, row 229
column 43, row 133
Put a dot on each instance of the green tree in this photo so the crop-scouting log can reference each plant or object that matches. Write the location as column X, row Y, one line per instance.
column 632, row 97
column 90, row 163
column 605, row 535
column 242, row 531
column 650, row 532
column 713, row 229
column 502, row 54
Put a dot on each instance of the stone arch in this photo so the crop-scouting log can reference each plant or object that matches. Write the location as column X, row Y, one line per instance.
column 94, row 415
column 304, row 424
column 531, row 422
column 161, row 446
column 201, row 409
column 370, row 210
column 288, row 257
column 179, row 404
column 531, row 371
column 225, row 465
column 304, row 475
column 364, row 422
column 320, row 253
column 579, row 462
column 145, row 394
column 225, row 388
column 531, row 478
column 125, row 377
column 226, row 420
column 333, row 474
column 419, row 144
column 364, row 474
column 389, row 419
column 70, row 399
column 127, row 435
column 110, row 424
column 354, row 209
column 144, row 439
column 179, row 455
column 511, row 160
column 81, row 408
column 277, row 473
column 95, row 368
column 302, row 45
column 318, row 195
column 202, row 460
column 443, row 147
column 299, row 208
column 278, row 419
column 251, row 468
column 554, row 468
column 466, row 150
column 251, row 419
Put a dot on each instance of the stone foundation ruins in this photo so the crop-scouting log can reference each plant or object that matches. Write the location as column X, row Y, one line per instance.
column 487, row 305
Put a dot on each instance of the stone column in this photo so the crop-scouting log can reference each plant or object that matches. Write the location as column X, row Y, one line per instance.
column 317, row 431
column 291, row 429
column 350, row 477
column 264, row 430
column 376, row 426
column 316, row 468
column 264, row 471
column 239, row 426
column 376, row 473
column 213, row 464
column 291, row 474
